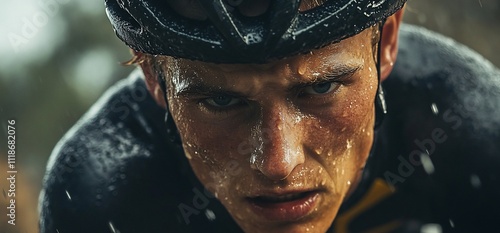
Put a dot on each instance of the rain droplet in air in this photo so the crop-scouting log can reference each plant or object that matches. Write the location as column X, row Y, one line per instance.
column 475, row 181
column 427, row 163
column 431, row 228
column 434, row 109
column 452, row 224
column 67, row 194
column 210, row 214
column 112, row 227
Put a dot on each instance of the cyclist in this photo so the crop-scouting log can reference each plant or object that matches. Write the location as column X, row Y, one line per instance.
column 270, row 116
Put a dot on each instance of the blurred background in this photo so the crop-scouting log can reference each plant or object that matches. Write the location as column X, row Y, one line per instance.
column 58, row 56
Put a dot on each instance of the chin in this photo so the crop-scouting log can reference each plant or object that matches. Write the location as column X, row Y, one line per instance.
column 314, row 226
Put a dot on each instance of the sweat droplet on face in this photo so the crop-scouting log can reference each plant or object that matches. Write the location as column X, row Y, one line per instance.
column 318, row 151
column 349, row 144
column 253, row 161
column 302, row 69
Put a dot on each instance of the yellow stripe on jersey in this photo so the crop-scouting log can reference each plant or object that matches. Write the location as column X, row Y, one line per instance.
column 377, row 192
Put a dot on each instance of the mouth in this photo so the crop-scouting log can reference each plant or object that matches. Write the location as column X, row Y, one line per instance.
column 284, row 207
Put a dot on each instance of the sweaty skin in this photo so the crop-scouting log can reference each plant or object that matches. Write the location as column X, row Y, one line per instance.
column 301, row 125
column 278, row 135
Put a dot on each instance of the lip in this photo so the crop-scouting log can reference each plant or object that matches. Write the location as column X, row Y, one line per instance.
column 285, row 207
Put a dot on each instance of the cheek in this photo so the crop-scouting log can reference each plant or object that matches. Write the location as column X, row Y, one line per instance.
column 214, row 152
column 341, row 140
column 351, row 119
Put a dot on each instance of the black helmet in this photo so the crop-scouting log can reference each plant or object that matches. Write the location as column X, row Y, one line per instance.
column 152, row 26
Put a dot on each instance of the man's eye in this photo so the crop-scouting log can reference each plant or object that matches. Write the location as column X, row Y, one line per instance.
column 321, row 88
column 222, row 101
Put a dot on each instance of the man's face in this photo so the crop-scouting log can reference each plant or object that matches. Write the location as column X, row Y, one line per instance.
column 282, row 144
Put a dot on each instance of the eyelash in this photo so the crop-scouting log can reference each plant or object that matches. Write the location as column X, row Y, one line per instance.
column 301, row 94
column 332, row 88
column 220, row 110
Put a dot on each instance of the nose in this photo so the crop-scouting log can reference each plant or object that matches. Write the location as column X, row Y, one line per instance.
column 280, row 151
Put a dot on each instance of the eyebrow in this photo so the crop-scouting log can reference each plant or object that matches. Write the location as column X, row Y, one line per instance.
column 208, row 90
column 334, row 73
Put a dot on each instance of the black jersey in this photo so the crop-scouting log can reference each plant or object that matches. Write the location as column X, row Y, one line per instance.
column 435, row 164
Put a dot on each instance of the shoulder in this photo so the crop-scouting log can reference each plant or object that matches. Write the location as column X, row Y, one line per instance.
column 442, row 131
column 116, row 170
column 437, row 80
column 114, row 155
column 430, row 53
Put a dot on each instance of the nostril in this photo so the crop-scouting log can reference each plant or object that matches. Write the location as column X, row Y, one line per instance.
column 278, row 167
column 275, row 174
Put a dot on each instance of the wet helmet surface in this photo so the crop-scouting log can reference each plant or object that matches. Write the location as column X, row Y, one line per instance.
column 227, row 36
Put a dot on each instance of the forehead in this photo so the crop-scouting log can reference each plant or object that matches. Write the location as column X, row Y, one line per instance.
column 350, row 52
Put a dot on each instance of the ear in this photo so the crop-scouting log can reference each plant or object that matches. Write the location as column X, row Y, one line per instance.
column 151, row 78
column 389, row 44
